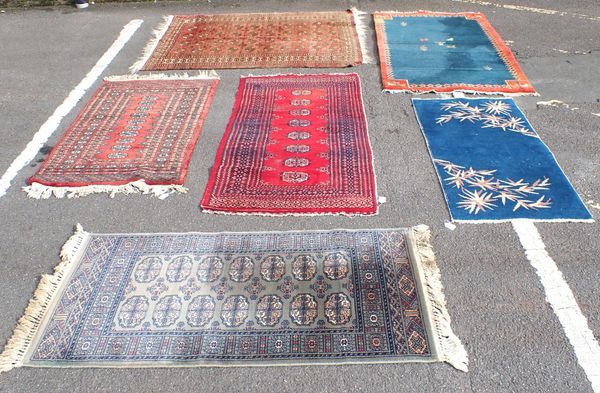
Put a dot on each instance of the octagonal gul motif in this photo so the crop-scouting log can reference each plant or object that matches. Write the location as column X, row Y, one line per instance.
column 234, row 310
column 300, row 112
column 241, row 269
column 336, row 266
column 272, row 268
column 294, row 177
column 200, row 311
column 296, row 162
column 303, row 309
column 133, row 311
column 304, row 267
column 297, row 148
column 298, row 135
column 209, row 269
column 179, row 269
column 269, row 310
column 148, row 269
column 338, row 309
column 301, row 92
column 167, row 311
column 302, row 102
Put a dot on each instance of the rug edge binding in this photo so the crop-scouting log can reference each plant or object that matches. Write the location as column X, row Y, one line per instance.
column 43, row 299
column 157, row 33
column 451, row 349
column 465, row 91
column 41, row 191
column 361, row 25
column 210, row 210
column 208, row 74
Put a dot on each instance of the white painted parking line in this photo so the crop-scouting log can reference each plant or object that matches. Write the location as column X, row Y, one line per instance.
column 48, row 128
column 562, row 301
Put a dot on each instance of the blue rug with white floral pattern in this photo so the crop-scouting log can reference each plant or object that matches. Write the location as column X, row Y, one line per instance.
column 492, row 164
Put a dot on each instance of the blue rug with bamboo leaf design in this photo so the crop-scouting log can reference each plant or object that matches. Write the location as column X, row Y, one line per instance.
column 492, row 164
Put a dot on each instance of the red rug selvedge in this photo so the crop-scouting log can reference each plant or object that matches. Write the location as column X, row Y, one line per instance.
column 131, row 130
column 295, row 144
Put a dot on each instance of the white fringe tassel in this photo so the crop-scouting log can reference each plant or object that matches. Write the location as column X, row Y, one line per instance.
column 361, row 21
column 23, row 335
column 40, row 191
column 211, row 74
column 147, row 52
column 451, row 349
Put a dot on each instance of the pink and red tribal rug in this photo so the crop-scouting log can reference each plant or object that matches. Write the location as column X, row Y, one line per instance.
column 136, row 134
column 295, row 144
column 260, row 40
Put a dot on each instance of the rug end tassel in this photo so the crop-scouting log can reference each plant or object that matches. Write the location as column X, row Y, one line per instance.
column 41, row 191
column 17, row 346
column 158, row 33
column 361, row 22
column 451, row 348
column 201, row 74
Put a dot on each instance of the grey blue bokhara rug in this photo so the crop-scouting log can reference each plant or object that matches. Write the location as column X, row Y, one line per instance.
column 227, row 299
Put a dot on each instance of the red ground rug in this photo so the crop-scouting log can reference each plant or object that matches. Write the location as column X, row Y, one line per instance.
column 295, row 144
column 136, row 134
column 257, row 40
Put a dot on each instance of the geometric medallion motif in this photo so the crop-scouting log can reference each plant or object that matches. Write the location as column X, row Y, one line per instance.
column 295, row 144
column 131, row 130
column 247, row 297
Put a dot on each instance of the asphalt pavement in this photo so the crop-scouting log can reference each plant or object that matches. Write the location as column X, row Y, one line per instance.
column 514, row 340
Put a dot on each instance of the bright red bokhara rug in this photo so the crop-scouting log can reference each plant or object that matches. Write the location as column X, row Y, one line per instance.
column 136, row 134
column 295, row 144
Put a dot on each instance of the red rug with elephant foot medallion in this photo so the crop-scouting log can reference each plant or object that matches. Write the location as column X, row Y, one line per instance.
column 295, row 144
column 136, row 134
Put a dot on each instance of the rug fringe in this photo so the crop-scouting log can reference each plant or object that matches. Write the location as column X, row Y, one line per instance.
column 158, row 33
column 28, row 325
column 451, row 348
column 209, row 74
column 41, row 191
column 361, row 22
